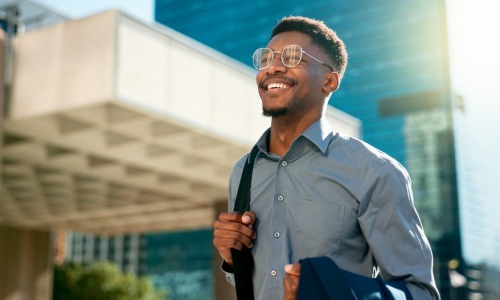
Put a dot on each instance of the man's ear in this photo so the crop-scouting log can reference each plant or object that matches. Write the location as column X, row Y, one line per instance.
column 332, row 82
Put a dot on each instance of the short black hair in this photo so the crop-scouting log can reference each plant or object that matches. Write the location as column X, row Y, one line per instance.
column 321, row 34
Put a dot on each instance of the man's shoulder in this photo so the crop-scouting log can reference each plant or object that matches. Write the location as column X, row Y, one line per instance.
column 356, row 149
column 238, row 168
column 356, row 146
column 240, row 163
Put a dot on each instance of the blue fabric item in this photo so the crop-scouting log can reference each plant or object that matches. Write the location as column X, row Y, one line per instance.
column 320, row 278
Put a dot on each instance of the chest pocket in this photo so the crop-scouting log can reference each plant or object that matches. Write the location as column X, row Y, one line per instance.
column 319, row 227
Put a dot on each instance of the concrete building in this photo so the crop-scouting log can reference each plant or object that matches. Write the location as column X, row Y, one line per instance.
column 114, row 127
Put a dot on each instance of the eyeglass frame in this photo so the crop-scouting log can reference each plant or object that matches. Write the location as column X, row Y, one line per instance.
column 272, row 58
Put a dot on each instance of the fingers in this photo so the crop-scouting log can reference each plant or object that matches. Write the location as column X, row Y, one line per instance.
column 234, row 235
column 291, row 281
column 247, row 218
column 293, row 269
column 233, row 230
column 234, row 225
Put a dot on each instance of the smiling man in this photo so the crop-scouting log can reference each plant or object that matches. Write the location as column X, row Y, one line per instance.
column 316, row 192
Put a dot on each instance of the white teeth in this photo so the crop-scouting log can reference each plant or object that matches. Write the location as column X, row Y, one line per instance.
column 277, row 86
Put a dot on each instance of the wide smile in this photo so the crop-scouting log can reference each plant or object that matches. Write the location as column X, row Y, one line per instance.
column 277, row 84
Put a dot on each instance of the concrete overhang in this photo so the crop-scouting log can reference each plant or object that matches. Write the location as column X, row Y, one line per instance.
column 32, row 14
column 116, row 126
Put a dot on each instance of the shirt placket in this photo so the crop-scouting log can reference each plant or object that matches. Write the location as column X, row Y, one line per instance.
column 276, row 238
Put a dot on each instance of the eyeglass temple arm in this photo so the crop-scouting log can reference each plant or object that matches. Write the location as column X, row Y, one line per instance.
column 331, row 69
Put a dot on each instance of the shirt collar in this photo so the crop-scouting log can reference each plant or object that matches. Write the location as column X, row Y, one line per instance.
column 320, row 133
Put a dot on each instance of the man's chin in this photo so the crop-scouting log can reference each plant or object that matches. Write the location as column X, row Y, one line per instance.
column 275, row 112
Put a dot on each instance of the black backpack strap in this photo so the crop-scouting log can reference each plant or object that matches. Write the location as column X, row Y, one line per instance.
column 243, row 259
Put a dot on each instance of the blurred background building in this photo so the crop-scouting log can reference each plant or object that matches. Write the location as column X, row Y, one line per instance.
column 122, row 134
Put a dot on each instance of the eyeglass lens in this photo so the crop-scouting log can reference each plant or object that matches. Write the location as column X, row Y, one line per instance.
column 290, row 57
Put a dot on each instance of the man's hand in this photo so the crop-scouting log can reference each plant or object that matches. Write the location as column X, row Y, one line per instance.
column 233, row 230
column 291, row 281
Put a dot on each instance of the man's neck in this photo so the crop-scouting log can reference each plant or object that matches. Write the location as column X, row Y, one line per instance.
column 285, row 129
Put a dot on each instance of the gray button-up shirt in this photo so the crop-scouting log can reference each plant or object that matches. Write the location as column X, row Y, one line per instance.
column 336, row 196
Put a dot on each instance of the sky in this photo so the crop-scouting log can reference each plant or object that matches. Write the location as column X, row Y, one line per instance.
column 140, row 9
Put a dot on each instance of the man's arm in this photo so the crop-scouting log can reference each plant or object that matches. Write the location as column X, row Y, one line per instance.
column 394, row 233
column 221, row 243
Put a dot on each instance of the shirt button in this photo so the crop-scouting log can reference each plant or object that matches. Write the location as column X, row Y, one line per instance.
column 276, row 234
column 284, row 163
column 274, row 273
column 280, row 198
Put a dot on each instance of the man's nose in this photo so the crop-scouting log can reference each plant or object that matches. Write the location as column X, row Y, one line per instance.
column 276, row 65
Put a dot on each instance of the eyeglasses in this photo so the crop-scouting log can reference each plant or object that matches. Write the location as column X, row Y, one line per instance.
column 291, row 56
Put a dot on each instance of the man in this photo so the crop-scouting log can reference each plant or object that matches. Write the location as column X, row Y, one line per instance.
column 316, row 192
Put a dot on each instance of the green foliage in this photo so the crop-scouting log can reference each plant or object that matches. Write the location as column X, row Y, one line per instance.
column 101, row 281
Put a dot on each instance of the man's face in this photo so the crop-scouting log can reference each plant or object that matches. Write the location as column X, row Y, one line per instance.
column 296, row 90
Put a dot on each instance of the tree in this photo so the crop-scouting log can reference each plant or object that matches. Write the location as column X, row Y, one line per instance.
column 101, row 281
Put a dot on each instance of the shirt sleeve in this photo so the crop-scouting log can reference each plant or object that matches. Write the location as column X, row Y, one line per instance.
column 234, row 180
column 394, row 233
column 228, row 270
